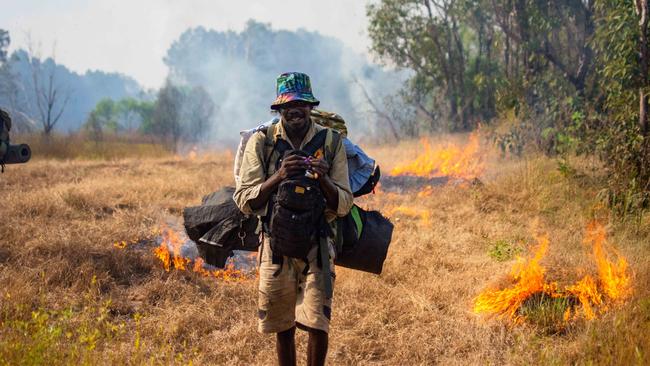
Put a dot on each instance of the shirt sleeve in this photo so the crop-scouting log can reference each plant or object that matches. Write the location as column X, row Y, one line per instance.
column 339, row 175
column 252, row 176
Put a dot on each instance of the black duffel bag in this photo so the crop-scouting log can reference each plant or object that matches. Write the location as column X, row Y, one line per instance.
column 218, row 227
column 363, row 238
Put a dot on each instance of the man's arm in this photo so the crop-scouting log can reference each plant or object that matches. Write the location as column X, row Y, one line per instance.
column 252, row 176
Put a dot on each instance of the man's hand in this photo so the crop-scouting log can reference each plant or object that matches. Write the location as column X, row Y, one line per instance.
column 320, row 166
column 291, row 166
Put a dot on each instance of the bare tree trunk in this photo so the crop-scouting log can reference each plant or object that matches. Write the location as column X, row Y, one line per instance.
column 51, row 98
column 385, row 117
column 644, row 60
column 642, row 11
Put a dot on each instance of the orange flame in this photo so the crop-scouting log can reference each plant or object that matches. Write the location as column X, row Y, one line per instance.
column 120, row 244
column 528, row 279
column 426, row 192
column 450, row 161
column 177, row 261
column 423, row 215
column 193, row 154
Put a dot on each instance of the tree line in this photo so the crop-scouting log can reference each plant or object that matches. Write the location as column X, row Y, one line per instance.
column 561, row 75
column 44, row 95
column 41, row 95
column 177, row 114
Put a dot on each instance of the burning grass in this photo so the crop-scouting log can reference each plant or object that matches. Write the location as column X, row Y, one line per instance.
column 170, row 254
column 586, row 298
column 437, row 165
column 69, row 296
column 446, row 160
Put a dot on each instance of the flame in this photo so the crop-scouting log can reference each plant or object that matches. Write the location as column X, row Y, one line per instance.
column 193, row 154
column 613, row 276
column 528, row 279
column 136, row 240
column 423, row 215
column 451, row 161
column 171, row 238
column 120, row 244
column 425, row 192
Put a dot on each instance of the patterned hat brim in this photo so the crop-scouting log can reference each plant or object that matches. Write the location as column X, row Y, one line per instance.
column 290, row 97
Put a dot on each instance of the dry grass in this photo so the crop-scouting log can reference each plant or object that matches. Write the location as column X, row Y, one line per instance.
column 69, row 297
column 78, row 146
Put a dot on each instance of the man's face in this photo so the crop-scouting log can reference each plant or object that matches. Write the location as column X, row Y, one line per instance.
column 295, row 116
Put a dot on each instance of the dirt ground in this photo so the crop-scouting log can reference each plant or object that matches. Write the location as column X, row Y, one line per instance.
column 69, row 296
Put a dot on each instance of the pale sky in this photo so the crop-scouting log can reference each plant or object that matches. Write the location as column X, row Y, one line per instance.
column 132, row 36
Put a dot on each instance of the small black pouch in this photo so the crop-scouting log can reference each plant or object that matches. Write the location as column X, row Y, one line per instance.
column 299, row 194
column 293, row 233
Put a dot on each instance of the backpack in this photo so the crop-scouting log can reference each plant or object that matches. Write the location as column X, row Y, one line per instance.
column 296, row 221
column 298, row 209
column 329, row 120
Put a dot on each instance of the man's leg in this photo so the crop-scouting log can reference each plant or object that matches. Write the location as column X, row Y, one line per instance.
column 317, row 347
column 276, row 304
column 314, row 309
column 286, row 347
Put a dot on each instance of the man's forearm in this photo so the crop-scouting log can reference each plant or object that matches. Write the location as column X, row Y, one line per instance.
column 265, row 192
column 330, row 192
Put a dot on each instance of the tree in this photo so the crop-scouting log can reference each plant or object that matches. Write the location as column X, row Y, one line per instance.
column 4, row 45
column 434, row 39
column 145, row 112
column 558, row 31
column 128, row 113
column 641, row 7
column 104, row 116
column 9, row 88
column 198, row 111
column 50, row 96
column 166, row 115
column 621, row 125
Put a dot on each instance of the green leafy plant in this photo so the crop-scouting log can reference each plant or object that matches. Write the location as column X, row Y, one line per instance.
column 502, row 250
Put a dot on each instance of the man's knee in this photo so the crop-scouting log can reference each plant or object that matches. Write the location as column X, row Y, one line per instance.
column 312, row 331
column 286, row 335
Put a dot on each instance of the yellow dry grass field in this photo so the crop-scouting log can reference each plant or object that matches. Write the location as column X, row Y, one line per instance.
column 68, row 295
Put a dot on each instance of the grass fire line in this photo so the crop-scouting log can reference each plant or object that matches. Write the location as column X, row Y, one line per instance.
column 586, row 298
column 174, row 259
column 452, row 160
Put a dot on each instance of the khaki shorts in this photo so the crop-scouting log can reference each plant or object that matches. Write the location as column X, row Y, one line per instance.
column 292, row 298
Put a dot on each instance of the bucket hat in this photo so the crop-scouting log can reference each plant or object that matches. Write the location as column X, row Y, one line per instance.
column 292, row 86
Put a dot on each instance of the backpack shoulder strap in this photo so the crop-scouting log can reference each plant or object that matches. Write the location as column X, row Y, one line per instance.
column 327, row 139
column 269, row 145
column 331, row 144
column 316, row 142
column 273, row 149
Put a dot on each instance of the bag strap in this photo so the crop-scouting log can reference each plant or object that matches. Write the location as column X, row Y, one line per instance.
column 331, row 144
column 316, row 142
column 326, row 138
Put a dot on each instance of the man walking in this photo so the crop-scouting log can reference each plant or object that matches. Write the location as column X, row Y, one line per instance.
column 295, row 290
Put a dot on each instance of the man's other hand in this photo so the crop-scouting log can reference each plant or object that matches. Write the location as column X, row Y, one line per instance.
column 320, row 166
